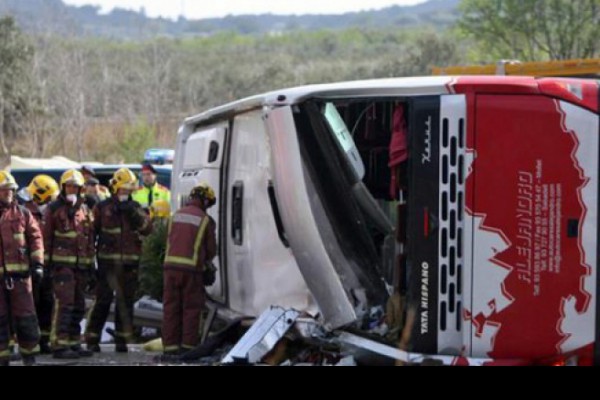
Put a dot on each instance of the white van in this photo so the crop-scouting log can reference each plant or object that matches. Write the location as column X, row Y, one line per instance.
column 485, row 217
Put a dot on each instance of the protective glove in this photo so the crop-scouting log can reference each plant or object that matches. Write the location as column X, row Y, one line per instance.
column 128, row 207
column 91, row 200
column 137, row 220
column 132, row 211
column 209, row 274
column 37, row 273
column 136, row 215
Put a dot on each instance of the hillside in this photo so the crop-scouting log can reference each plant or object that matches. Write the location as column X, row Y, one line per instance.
column 55, row 17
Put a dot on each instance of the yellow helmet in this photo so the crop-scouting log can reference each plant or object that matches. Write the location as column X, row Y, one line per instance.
column 73, row 177
column 7, row 181
column 204, row 191
column 160, row 209
column 43, row 188
column 123, row 178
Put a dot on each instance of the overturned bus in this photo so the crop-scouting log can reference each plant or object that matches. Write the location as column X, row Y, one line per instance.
column 472, row 199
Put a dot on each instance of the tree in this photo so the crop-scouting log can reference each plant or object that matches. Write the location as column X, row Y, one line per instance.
column 533, row 29
column 16, row 83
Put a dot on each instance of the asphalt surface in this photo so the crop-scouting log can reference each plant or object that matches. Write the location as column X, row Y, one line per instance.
column 108, row 357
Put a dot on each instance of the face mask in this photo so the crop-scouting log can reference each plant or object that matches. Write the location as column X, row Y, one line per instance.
column 123, row 198
column 42, row 208
column 72, row 198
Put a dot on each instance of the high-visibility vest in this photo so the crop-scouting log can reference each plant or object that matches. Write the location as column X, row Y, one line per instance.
column 146, row 196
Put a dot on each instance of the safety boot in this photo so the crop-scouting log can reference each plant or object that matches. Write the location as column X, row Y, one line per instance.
column 81, row 351
column 94, row 347
column 45, row 348
column 121, row 347
column 65, row 354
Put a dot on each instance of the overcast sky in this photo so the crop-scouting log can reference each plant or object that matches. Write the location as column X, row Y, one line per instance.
column 195, row 9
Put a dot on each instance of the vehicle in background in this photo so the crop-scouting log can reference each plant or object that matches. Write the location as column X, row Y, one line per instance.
column 492, row 235
column 17, row 162
column 159, row 156
column 104, row 173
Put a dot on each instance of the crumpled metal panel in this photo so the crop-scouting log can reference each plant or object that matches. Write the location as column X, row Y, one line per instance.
column 263, row 335
column 300, row 224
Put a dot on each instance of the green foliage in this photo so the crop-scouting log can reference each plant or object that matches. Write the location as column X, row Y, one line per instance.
column 17, row 92
column 136, row 139
column 124, row 97
column 93, row 98
column 151, row 262
column 532, row 29
column 109, row 100
column 426, row 50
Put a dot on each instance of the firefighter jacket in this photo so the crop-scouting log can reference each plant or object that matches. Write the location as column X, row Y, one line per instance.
column 68, row 235
column 118, row 226
column 191, row 239
column 146, row 196
column 35, row 211
column 21, row 243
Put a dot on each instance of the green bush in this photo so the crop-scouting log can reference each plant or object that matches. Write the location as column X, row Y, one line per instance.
column 151, row 263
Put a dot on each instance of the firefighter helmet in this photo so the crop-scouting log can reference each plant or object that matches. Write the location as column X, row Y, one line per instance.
column 7, row 181
column 160, row 209
column 123, row 178
column 204, row 191
column 72, row 177
column 42, row 189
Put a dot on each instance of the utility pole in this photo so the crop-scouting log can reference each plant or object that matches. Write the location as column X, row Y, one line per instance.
column 182, row 13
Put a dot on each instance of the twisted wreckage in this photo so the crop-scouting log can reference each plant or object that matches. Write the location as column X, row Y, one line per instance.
column 413, row 220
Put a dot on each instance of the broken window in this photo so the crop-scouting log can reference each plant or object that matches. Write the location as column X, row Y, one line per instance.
column 355, row 152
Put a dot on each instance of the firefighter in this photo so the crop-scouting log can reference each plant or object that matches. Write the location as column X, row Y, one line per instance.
column 21, row 254
column 191, row 244
column 69, row 242
column 151, row 190
column 92, row 193
column 90, row 175
column 41, row 191
column 118, row 222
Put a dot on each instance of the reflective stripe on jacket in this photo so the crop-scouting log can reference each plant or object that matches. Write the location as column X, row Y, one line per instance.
column 69, row 235
column 118, row 242
column 158, row 192
column 191, row 240
column 21, row 240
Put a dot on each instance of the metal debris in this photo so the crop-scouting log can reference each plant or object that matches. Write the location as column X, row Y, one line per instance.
column 262, row 337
